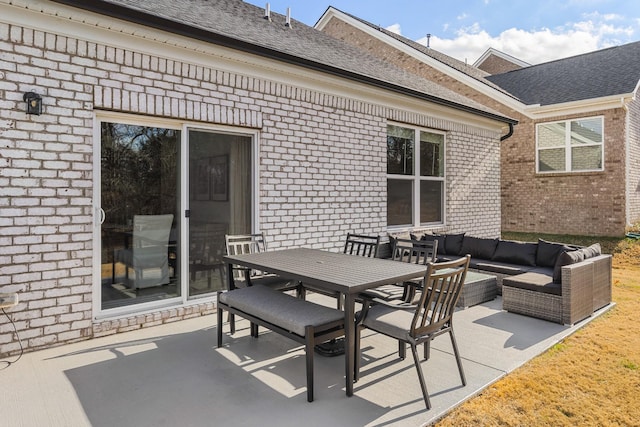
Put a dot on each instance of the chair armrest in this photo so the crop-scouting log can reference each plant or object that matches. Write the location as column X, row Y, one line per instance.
column 577, row 291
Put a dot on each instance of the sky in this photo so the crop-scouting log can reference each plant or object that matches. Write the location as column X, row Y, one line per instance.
column 533, row 31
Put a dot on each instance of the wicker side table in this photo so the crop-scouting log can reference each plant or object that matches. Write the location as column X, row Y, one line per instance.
column 478, row 288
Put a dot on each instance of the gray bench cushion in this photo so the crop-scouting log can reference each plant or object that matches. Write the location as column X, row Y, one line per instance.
column 534, row 282
column 280, row 309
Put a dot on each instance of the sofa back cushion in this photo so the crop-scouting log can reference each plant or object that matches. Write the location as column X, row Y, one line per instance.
column 566, row 258
column 548, row 253
column 453, row 244
column 442, row 250
column 591, row 251
column 512, row 252
column 478, row 247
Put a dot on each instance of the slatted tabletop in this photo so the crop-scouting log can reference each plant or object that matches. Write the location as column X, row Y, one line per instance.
column 329, row 270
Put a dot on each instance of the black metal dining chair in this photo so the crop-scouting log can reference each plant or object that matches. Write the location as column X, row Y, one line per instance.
column 405, row 250
column 355, row 244
column 419, row 323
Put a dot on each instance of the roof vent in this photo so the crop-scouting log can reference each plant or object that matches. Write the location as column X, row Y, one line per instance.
column 428, row 41
column 267, row 12
column 287, row 23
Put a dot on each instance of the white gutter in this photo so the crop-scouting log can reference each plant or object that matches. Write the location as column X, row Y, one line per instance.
column 538, row 111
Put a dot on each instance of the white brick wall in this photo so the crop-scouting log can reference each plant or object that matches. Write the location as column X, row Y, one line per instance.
column 321, row 173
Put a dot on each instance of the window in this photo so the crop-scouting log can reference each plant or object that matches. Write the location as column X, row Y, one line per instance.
column 570, row 146
column 415, row 176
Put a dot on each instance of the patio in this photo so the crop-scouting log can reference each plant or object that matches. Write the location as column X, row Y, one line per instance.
column 174, row 375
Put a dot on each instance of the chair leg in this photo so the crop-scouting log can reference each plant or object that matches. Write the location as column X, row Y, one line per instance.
column 402, row 350
column 219, row 326
column 232, row 323
column 427, row 350
column 358, row 354
column 309, row 356
column 423, row 384
column 301, row 292
column 457, row 353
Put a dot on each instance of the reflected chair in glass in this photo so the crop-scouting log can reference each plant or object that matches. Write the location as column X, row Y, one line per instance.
column 254, row 243
column 148, row 254
column 419, row 323
column 206, row 249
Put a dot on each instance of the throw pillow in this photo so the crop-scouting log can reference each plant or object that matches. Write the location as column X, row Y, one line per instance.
column 566, row 258
column 478, row 247
column 453, row 244
column 516, row 252
column 592, row 251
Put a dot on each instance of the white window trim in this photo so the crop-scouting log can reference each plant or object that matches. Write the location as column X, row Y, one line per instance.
column 567, row 146
column 416, row 179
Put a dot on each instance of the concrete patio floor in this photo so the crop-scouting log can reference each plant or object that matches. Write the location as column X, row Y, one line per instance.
column 173, row 375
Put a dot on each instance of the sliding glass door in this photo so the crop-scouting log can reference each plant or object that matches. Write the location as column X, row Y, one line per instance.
column 156, row 245
column 219, row 203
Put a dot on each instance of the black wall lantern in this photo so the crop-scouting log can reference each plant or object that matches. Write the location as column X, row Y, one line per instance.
column 34, row 103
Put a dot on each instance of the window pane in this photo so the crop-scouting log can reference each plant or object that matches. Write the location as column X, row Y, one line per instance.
column 551, row 135
column 431, row 201
column 431, row 154
column 551, row 160
column 587, row 131
column 400, row 146
column 399, row 202
column 140, row 194
column 586, row 158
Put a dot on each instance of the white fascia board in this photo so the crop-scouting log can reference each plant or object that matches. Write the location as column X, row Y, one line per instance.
column 579, row 107
column 443, row 68
column 75, row 23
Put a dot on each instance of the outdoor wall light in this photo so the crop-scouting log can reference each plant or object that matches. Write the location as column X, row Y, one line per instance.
column 34, row 103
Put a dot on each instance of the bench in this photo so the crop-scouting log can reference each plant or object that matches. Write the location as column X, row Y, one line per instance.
column 302, row 321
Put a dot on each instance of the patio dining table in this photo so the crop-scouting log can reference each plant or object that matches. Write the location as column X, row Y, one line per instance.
column 331, row 271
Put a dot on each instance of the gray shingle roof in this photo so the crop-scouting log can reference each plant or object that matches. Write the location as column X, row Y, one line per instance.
column 455, row 64
column 242, row 26
column 612, row 71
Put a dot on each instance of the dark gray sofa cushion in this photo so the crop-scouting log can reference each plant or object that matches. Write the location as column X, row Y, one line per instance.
column 499, row 267
column 516, row 252
column 533, row 282
column 566, row 258
column 592, row 251
column 453, row 244
column 478, row 247
column 442, row 250
column 548, row 252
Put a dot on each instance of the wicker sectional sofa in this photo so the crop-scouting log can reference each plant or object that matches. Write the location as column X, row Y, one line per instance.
column 553, row 281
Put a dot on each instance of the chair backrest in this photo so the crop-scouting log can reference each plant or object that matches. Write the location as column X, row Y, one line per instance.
column 244, row 244
column 362, row 245
column 442, row 285
column 151, row 231
column 415, row 251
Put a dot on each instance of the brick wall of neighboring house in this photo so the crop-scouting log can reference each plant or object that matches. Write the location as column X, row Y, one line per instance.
column 559, row 204
column 633, row 163
column 321, row 172
column 590, row 203
column 494, row 64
